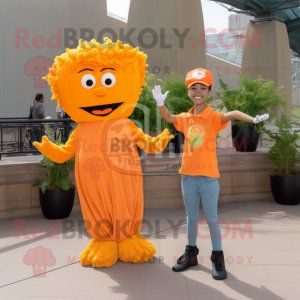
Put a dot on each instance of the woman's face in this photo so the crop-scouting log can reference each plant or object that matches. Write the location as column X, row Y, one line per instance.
column 198, row 93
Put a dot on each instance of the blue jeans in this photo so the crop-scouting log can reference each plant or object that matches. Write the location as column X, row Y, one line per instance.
column 35, row 136
column 206, row 188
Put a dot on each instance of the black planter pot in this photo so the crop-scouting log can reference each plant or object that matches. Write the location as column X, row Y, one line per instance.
column 286, row 190
column 57, row 204
column 245, row 139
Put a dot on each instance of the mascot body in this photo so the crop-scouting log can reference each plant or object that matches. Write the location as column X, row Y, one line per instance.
column 98, row 86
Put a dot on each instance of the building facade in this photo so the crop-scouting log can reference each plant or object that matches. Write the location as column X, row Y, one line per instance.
column 238, row 22
column 227, row 46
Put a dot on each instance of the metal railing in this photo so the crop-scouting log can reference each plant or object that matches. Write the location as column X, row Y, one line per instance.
column 15, row 133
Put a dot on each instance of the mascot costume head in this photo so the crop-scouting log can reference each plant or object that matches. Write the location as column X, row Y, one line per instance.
column 98, row 86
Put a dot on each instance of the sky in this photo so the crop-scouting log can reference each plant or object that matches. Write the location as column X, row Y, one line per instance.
column 215, row 16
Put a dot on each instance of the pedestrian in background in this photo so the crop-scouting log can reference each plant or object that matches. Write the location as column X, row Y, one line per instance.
column 38, row 112
column 60, row 112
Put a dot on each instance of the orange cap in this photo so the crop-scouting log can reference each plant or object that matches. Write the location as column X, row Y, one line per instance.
column 199, row 75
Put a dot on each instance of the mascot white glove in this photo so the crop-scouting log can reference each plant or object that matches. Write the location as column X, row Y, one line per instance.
column 258, row 118
column 160, row 99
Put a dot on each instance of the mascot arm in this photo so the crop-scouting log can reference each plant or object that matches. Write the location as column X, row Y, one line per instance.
column 58, row 154
column 149, row 144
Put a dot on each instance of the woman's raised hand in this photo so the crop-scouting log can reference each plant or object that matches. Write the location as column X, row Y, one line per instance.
column 160, row 99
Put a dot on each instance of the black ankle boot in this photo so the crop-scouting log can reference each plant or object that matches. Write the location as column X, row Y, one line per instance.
column 218, row 265
column 187, row 260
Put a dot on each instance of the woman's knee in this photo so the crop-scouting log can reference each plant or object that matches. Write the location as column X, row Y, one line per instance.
column 213, row 222
column 192, row 218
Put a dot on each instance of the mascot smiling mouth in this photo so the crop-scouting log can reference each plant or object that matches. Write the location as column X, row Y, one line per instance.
column 102, row 110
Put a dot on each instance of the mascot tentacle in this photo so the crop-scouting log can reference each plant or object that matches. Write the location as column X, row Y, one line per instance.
column 149, row 144
column 98, row 86
column 58, row 154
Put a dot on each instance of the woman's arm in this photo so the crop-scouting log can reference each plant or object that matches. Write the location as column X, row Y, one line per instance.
column 237, row 115
column 160, row 99
column 167, row 116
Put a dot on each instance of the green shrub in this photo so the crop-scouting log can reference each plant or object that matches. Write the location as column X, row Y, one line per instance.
column 57, row 174
column 253, row 97
column 284, row 153
column 146, row 99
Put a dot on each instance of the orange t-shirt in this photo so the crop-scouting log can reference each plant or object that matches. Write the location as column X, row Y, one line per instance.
column 199, row 155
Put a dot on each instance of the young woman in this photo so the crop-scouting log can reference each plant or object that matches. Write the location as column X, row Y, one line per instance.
column 199, row 167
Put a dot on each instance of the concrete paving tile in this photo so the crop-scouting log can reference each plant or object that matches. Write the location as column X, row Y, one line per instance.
column 252, row 273
column 258, row 217
column 260, row 242
column 3, row 264
column 35, row 298
column 213, row 290
column 290, row 230
column 272, row 206
column 15, row 272
column 287, row 273
column 9, row 228
column 5, row 241
column 66, row 229
column 7, row 297
column 65, row 282
column 235, row 272
column 136, row 281
column 241, row 212
column 296, row 241
column 237, row 290
column 62, row 250
column 283, row 290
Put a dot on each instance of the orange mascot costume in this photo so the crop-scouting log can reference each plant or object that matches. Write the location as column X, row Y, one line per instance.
column 98, row 86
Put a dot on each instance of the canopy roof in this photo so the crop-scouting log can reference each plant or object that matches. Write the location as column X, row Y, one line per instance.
column 287, row 10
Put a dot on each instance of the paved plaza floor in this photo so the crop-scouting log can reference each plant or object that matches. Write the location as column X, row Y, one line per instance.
column 261, row 244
